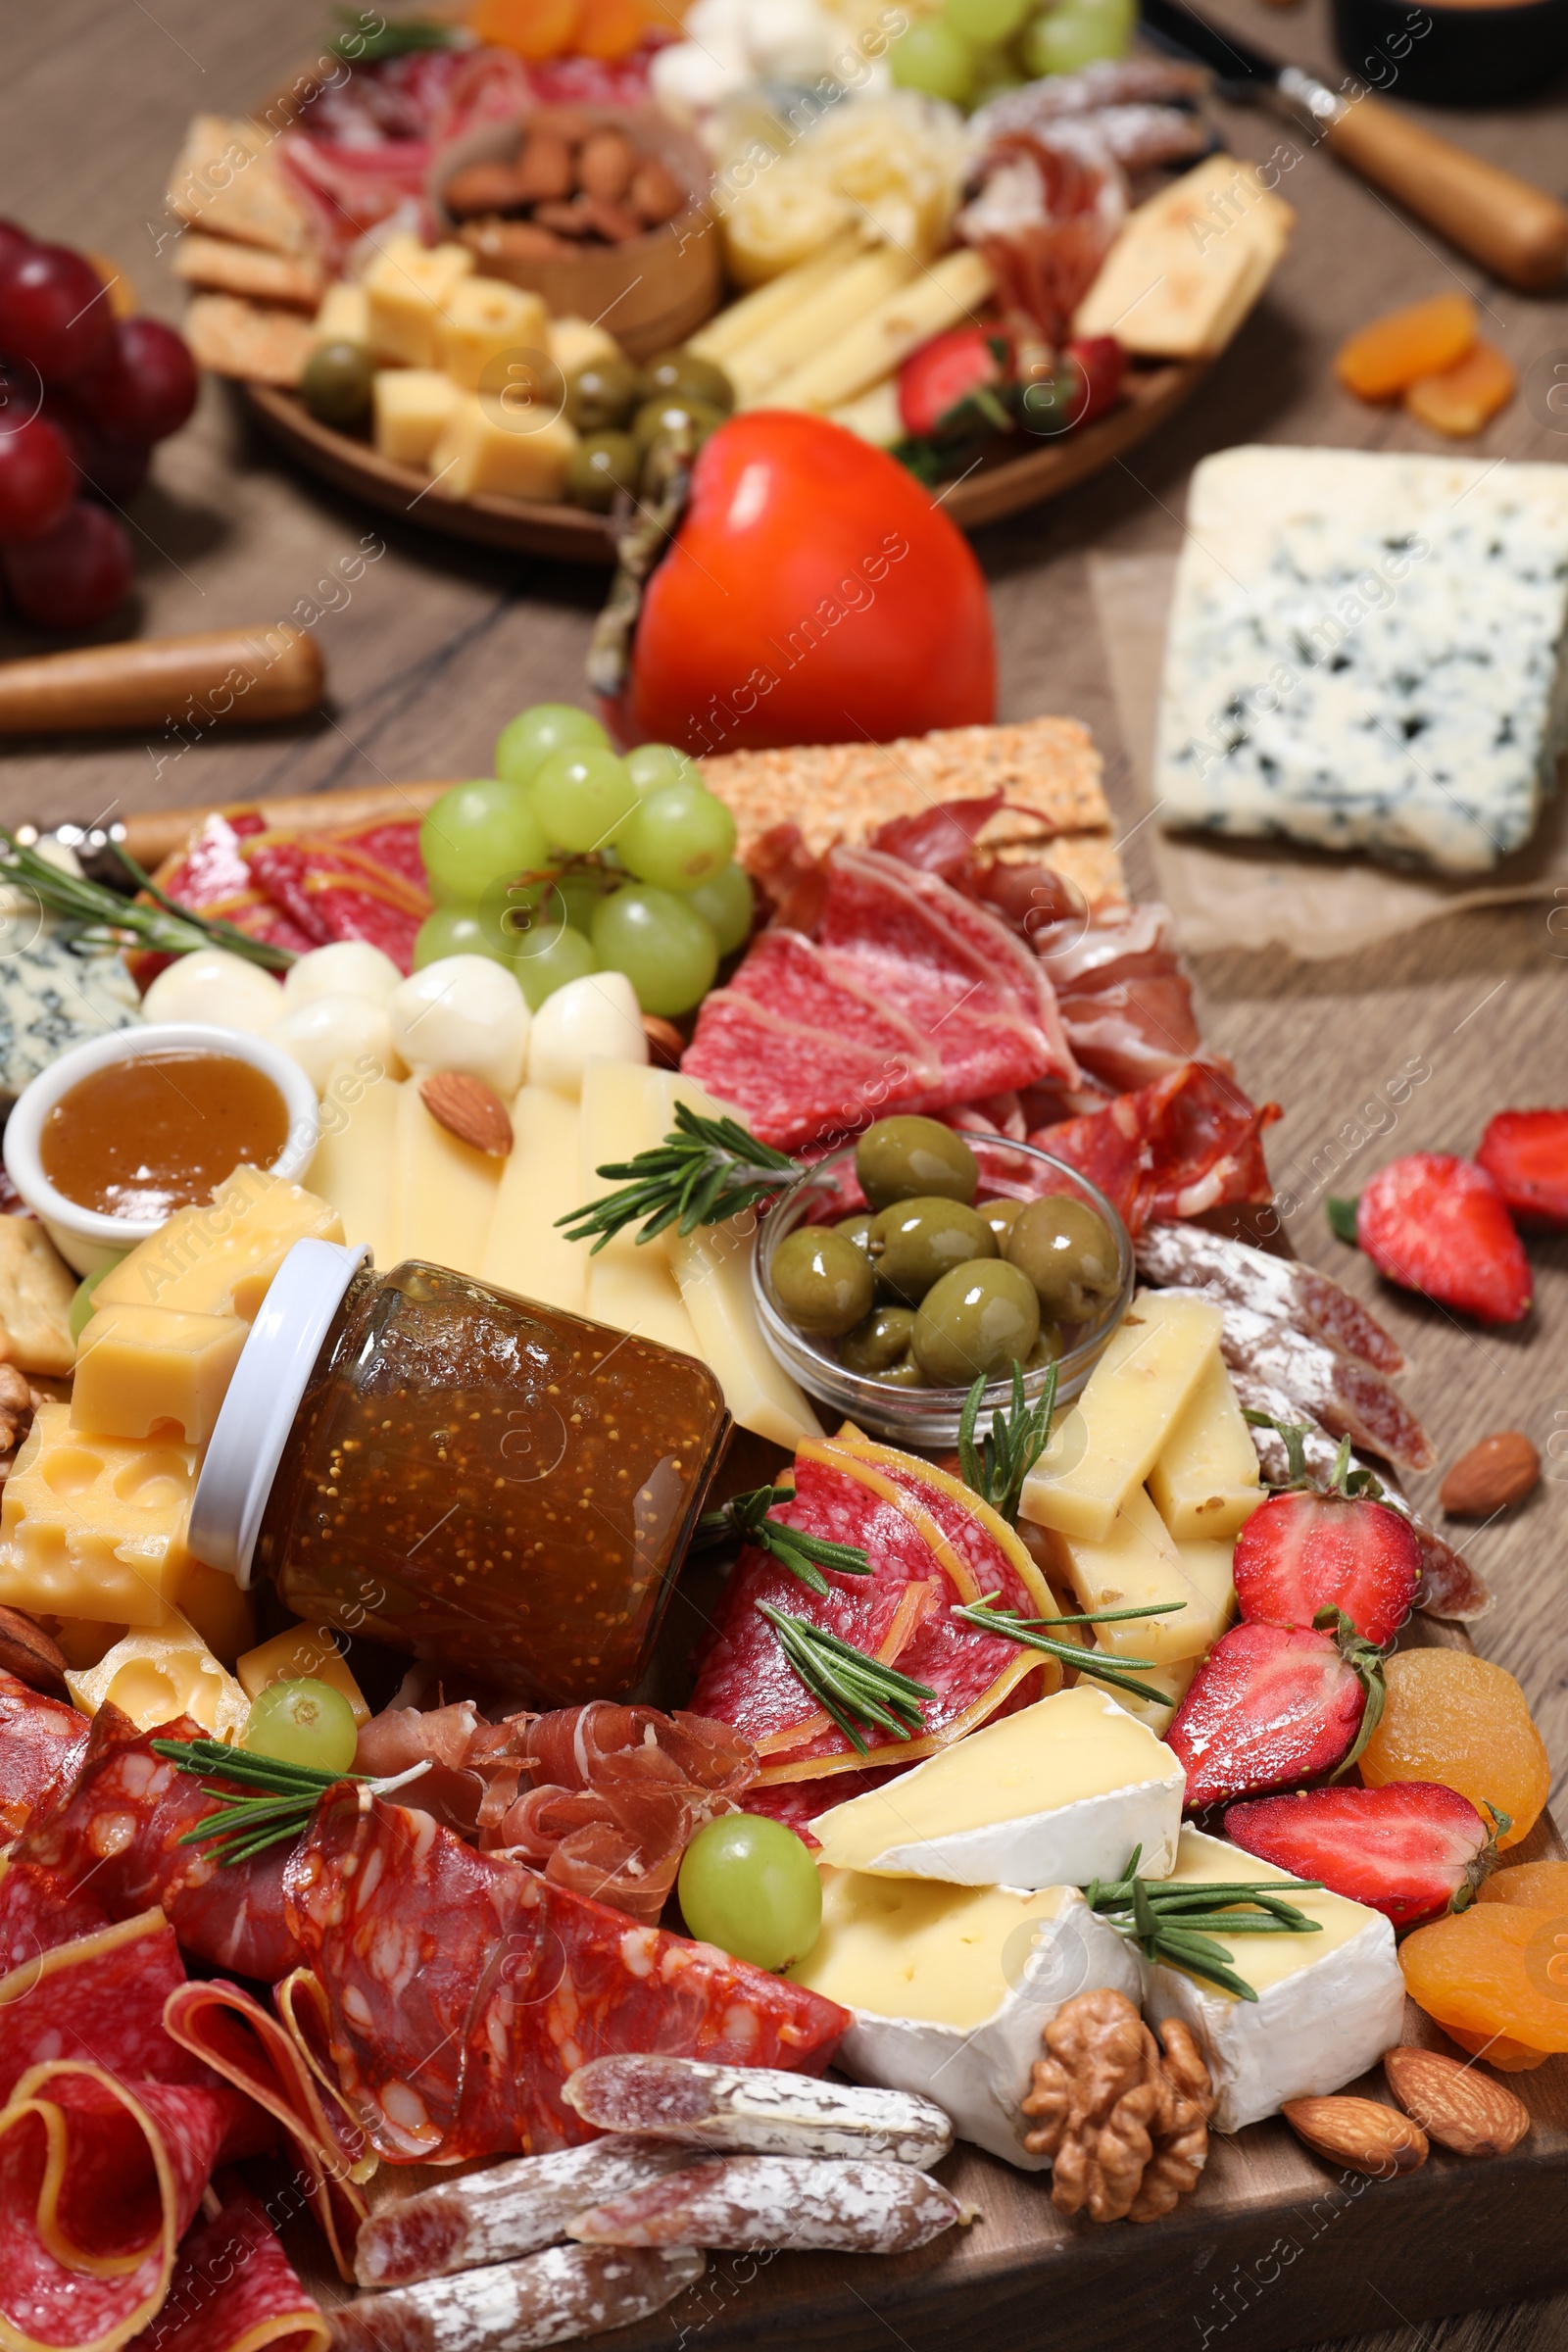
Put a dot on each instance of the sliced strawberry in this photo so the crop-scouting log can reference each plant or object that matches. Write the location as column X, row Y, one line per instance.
column 1272, row 1705
column 1408, row 1849
column 1305, row 1551
column 1524, row 1153
column 1439, row 1225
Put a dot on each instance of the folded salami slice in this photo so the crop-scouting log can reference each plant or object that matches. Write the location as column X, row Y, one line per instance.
column 757, row 2111
column 1280, row 1287
column 551, row 2298
column 100, row 1998
column 512, row 2210
column 741, row 2202
column 235, row 2290
column 40, row 1910
column 39, row 1736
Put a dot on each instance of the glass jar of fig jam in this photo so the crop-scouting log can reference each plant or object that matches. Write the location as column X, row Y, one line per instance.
column 494, row 1486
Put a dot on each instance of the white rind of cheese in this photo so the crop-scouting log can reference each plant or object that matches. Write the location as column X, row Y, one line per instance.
column 951, row 1988
column 1054, row 1795
column 1366, row 651
column 1328, row 2005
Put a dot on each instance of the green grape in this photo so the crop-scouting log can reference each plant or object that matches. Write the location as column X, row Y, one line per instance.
column 526, row 742
column 680, row 835
column 652, row 764
column 930, row 57
column 750, row 1885
column 548, row 960
column 725, row 903
column 303, row 1722
column 582, row 797
column 985, row 23
column 477, row 834
column 82, row 1306
column 667, row 952
column 454, row 931
column 574, row 900
column 1081, row 32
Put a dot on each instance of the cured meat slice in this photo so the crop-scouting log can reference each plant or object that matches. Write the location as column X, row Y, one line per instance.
column 234, row 2289
column 39, row 1738
column 742, row 2202
column 1280, row 1287
column 755, row 2111
column 551, row 2298
column 796, row 981
column 508, row 2211
column 1347, row 1396
column 98, row 1996
column 791, row 1084
column 797, row 1803
column 38, row 1910
column 302, row 891
column 1126, row 1004
column 463, row 1988
column 1188, row 1143
column 116, row 1820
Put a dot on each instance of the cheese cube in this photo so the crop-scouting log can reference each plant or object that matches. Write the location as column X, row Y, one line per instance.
column 1207, row 1482
column 407, row 288
column 95, row 1527
column 511, row 453
column 487, row 320
column 219, row 1260
column 445, row 1191
column 146, row 1368
column 344, row 316
column 301, row 1652
column 950, row 1988
column 1138, row 1566
column 224, row 1617
column 630, row 1284
column 155, row 1676
column 1189, row 265
column 1054, row 1795
column 527, row 1252
column 1328, row 2004
column 1169, row 1681
column 1110, row 1439
column 577, row 343
column 410, row 407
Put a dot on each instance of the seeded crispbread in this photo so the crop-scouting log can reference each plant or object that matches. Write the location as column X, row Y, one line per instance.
column 226, row 178
column 220, row 265
column 254, row 340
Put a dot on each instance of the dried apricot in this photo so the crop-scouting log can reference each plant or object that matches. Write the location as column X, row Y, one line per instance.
column 1455, row 1718
column 1534, row 1886
column 1461, row 400
column 1380, row 359
column 1495, row 1979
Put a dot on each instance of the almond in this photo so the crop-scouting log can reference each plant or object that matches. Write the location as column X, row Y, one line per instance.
column 469, row 1109
column 1500, row 1470
column 27, row 1651
column 1362, row 2133
column 1456, row 2104
column 665, row 1044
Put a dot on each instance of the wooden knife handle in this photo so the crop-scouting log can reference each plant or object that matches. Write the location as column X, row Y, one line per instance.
column 1517, row 231
column 231, row 677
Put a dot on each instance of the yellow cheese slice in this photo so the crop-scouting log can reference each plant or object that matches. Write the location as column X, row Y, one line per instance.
column 354, row 1167
column 1138, row 1565
column 301, row 1652
column 1189, row 264
column 141, row 1368
column 95, row 1527
column 218, row 1260
column 154, row 1676
column 527, row 1252
column 1110, row 1439
column 630, row 1284
column 445, row 1189
column 1265, row 1960
column 1206, row 1480
column 920, row 1949
column 1169, row 1681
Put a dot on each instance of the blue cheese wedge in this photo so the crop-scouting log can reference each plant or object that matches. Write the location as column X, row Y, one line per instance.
column 1328, row 2004
column 53, row 995
column 1366, row 652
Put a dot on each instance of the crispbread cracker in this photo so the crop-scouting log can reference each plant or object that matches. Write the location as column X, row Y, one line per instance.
column 1189, row 265
column 226, row 179
column 1091, row 861
column 37, row 1289
column 251, row 339
column 224, row 268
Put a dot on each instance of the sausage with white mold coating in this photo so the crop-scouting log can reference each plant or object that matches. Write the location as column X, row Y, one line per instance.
column 551, row 2298
column 738, row 2203
column 757, row 2111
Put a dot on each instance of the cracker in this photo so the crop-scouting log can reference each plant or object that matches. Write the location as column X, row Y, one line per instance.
column 1090, row 860
column 222, row 268
column 251, row 339
column 226, row 178
column 37, row 1289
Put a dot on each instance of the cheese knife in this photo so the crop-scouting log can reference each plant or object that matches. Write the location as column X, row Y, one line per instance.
column 1515, row 231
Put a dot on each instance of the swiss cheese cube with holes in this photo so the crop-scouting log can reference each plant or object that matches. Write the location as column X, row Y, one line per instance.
column 219, row 1259
column 95, row 1527
column 407, row 289
column 154, row 1676
column 149, row 1370
column 486, row 320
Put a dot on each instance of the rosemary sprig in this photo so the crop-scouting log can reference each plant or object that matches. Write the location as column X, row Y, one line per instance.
column 853, row 1690
column 100, row 916
column 396, row 38
column 805, row 1556
column 703, row 1171
column 996, row 1469
column 1091, row 1662
column 1171, row 1920
column 280, row 1801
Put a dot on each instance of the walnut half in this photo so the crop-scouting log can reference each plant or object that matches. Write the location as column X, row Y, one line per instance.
column 1124, row 2124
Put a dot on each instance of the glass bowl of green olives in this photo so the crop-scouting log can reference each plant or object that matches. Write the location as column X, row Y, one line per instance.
column 904, row 1265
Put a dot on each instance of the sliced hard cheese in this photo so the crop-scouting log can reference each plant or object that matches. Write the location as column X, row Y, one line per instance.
column 155, row 1676
column 220, row 1259
column 446, row 1190
column 631, row 1286
column 1138, row 1566
column 1055, row 1795
column 527, row 1252
column 1189, row 265
column 1206, row 1480
column 1116, row 1431
column 95, row 1527
column 1328, row 2004
column 139, row 1367
column 1170, row 1682
column 951, row 1989
column 301, row 1652
column 1208, row 1566
column 354, row 1167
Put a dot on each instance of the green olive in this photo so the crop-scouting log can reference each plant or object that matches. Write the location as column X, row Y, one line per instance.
column 337, row 382
column 1046, row 1349
column 905, row 1374
column 599, row 467
column 1000, row 1217
column 603, row 395
column 675, row 412
column 857, row 1227
column 822, row 1281
column 981, row 1318
column 914, row 1243
column 912, row 1159
column 875, row 1345
column 684, row 372
column 1069, row 1255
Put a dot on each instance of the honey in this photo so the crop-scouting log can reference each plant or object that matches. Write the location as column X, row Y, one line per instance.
column 159, row 1131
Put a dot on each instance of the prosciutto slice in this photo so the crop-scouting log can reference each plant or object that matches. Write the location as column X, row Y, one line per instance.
column 1189, row 1143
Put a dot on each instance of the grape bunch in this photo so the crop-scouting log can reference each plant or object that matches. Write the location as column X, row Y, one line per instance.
column 570, row 860
column 972, row 50
column 83, row 396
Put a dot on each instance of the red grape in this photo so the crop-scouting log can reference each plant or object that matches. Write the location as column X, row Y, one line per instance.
column 54, row 312
column 146, row 387
column 73, row 577
column 13, row 243
column 112, row 468
column 38, row 479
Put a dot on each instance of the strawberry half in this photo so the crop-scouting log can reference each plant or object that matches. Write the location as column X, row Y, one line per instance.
column 1272, row 1705
column 1439, row 1225
column 1524, row 1153
column 1408, row 1849
column 1305, row 1551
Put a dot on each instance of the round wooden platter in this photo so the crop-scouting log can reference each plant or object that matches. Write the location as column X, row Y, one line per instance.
column 1000, row 485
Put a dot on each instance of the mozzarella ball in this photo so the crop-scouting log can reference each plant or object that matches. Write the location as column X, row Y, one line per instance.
column 597, row 1014
column 212, row 985
column 349, row 968
column 464, row 1013
column 326, row 1030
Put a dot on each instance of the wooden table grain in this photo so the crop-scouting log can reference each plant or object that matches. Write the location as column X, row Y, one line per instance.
column 431, row 646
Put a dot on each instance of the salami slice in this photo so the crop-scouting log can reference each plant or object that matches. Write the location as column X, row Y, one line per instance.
column 500, row 2214
column 235, row 2290
column 39, row 1738
column 39, row 1909
column 551, row 2298
column 757, row 2111
column 463, row 1988
column 1280, row 1287
column 99, row 1997
column 1350, row 1398
column 736, row 2203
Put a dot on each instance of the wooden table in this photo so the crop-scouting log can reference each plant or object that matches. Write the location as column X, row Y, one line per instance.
column 437, row 645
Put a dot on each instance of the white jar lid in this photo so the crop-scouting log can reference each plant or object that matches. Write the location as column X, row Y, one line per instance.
column 252, row 1429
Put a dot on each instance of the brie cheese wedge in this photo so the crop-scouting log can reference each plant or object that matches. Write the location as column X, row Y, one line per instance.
column 1328, row 2005
column 1054, row 1795
column 951, row 1989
